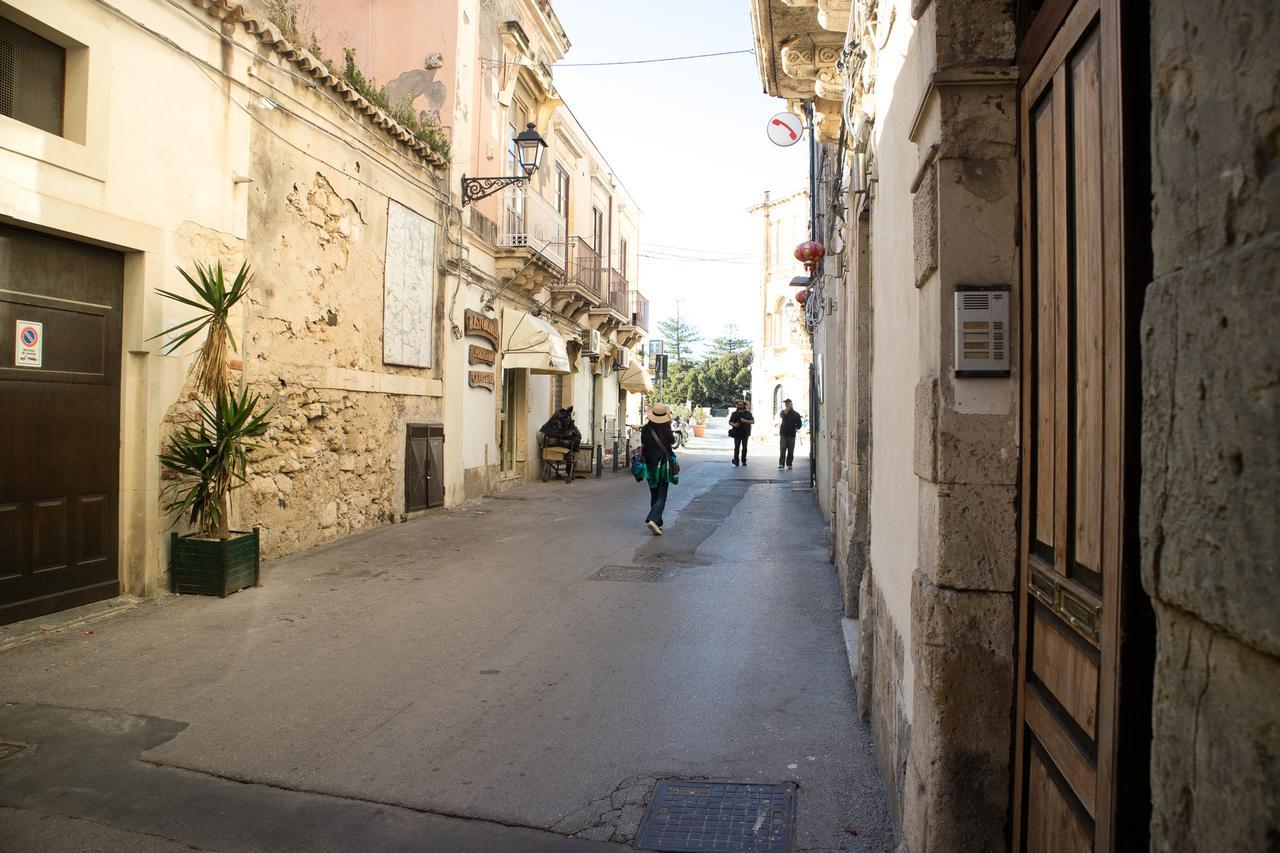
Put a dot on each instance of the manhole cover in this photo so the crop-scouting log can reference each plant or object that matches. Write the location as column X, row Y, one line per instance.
column 7, row 750
column 689, row 815
column 630, row 573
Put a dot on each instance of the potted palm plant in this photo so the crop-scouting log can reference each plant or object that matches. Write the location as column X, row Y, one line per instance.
column 207, row 459
column 699, row 422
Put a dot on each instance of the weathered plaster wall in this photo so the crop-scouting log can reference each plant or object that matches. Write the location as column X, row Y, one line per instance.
column 1210, row 420
column 333, row 459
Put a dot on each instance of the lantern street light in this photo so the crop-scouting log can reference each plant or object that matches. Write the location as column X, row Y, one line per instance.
column 529, row 148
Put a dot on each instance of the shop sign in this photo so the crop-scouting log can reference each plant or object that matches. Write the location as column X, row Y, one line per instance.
column 481, row 326
column 481, row 355
column 480, row 379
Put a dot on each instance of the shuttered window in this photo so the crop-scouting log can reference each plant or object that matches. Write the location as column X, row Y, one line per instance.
column 33, row 73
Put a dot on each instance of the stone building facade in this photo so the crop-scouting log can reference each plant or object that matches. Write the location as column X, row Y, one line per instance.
column 1060, row 563
column 410, row 346
column 781, row 353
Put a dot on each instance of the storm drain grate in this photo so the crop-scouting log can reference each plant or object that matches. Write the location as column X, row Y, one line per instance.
column 688, row 815
column 630, row 573
column 8, row 750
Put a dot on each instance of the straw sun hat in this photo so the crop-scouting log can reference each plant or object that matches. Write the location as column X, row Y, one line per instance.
column 659, row 414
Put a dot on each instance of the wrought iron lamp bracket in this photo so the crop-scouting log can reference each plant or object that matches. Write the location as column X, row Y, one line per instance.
column 474, row 189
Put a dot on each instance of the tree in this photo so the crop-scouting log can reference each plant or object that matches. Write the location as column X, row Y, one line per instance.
column 680, row 336
column 719, row 380
column 729, row 342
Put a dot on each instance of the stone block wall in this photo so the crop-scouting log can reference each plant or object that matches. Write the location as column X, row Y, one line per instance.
column 1210, row 420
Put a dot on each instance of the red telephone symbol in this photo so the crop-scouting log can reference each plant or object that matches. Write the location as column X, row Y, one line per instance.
column 782, row 124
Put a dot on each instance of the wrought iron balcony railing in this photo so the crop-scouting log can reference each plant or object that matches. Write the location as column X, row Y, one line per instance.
column 618, row 291
column 530, row 220
column 639, row 309
column 584, row 266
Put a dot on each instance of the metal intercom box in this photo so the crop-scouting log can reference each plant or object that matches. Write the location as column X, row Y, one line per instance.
column 982, row 330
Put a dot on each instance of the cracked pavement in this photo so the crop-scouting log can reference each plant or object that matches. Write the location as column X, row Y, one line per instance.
column 458, row 683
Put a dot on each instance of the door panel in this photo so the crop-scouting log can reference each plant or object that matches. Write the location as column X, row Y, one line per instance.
column 1073, row 452
column 60, row 434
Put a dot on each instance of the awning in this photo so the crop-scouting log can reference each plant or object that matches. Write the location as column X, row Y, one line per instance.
column 635, row 378
column 531, row 343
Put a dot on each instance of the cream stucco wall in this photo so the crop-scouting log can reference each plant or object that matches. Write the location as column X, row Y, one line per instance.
column 902, row 74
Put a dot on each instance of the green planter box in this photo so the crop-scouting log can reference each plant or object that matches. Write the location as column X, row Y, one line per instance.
column 213, row 566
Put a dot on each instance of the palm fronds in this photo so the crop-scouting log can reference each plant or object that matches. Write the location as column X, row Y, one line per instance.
column 214, row 301
column 210, row 459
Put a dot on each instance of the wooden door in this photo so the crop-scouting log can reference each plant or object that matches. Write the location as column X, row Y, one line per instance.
column 1075, row 563
column 59, row 424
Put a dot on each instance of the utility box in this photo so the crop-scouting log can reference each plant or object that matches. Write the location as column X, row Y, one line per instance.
column 982, row 331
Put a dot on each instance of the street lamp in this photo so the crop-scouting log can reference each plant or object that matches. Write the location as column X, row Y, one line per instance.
column 529, row 148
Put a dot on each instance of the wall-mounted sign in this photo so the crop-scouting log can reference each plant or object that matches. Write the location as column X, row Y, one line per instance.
column 480, row 379
column 785, row 129
column 481, row 326
column 481, row 355
column 28, row 344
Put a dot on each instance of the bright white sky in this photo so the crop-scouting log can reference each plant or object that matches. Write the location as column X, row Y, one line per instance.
column 688, row 141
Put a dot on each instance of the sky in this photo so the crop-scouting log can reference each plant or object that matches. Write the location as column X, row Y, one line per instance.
column 688, row 141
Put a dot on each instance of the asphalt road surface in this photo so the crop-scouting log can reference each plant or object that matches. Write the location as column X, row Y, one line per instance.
column 460, row 682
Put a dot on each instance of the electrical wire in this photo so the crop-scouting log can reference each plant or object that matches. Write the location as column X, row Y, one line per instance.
column 651, row 61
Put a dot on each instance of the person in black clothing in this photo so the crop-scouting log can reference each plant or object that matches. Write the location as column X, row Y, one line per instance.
column 740, row 428
column 791, row 422
column 658, row 442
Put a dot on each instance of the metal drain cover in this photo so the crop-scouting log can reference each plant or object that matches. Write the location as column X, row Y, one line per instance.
column 630, row 573
column 690, row 815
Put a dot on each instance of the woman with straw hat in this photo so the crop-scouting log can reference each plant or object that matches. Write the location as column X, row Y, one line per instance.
column 657, row 442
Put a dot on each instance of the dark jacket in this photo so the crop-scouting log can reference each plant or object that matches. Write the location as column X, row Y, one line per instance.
column 657, row 443
column 741, row 429
column 791, row 422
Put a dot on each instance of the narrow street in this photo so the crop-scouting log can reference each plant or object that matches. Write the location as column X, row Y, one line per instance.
column 461, row 682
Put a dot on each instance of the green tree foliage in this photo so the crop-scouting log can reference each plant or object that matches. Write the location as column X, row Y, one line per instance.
column 715, row 381
column 729, row 342
column 680, row 337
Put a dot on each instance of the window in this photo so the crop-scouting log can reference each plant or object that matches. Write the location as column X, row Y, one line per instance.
column 597, row 230
column 622, row 256
column 562, row 192
column 33, row 73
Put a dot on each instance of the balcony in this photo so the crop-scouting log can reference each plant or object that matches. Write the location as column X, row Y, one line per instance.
column 638, row 308
column 612, row 314
column 637, row 322
column 581, row 290
column 531, row 242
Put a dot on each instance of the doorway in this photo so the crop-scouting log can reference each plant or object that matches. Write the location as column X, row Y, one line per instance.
column 1080, row 750
column 60, row 429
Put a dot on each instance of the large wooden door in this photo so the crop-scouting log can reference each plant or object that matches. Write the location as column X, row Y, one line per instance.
column 1075, row 563
column 59, row 424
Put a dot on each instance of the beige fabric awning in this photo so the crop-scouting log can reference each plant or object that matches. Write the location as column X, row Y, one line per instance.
column 635, row 378
column 531, row 343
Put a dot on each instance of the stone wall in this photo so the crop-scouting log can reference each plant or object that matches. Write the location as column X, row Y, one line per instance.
column 1210, row 421
column 311, row 332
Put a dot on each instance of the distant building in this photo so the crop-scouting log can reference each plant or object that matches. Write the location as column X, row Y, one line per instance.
column 781, row 351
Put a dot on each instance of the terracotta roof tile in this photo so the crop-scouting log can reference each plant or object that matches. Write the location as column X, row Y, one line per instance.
column 270, row 36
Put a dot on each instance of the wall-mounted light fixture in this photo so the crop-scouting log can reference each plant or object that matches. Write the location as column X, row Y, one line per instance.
column 529, row 148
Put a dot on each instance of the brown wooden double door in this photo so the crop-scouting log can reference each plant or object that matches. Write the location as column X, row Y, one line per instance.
column 59, row 425
column 1074, row 563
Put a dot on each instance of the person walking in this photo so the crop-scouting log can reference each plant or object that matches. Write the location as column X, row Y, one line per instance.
column 740, row 428
column 657, row 443
column 791, row 422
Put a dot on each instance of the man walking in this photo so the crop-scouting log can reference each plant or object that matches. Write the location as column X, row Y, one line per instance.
column 791, row 422
column 740, row 428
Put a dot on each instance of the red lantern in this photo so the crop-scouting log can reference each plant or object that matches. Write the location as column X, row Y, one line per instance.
column 809, row 253
column 802, row 297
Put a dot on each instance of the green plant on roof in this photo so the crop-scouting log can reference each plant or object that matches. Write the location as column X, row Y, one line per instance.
column 421, row 126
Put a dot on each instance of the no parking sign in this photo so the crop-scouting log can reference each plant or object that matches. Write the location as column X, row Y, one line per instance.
column 28, row 344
